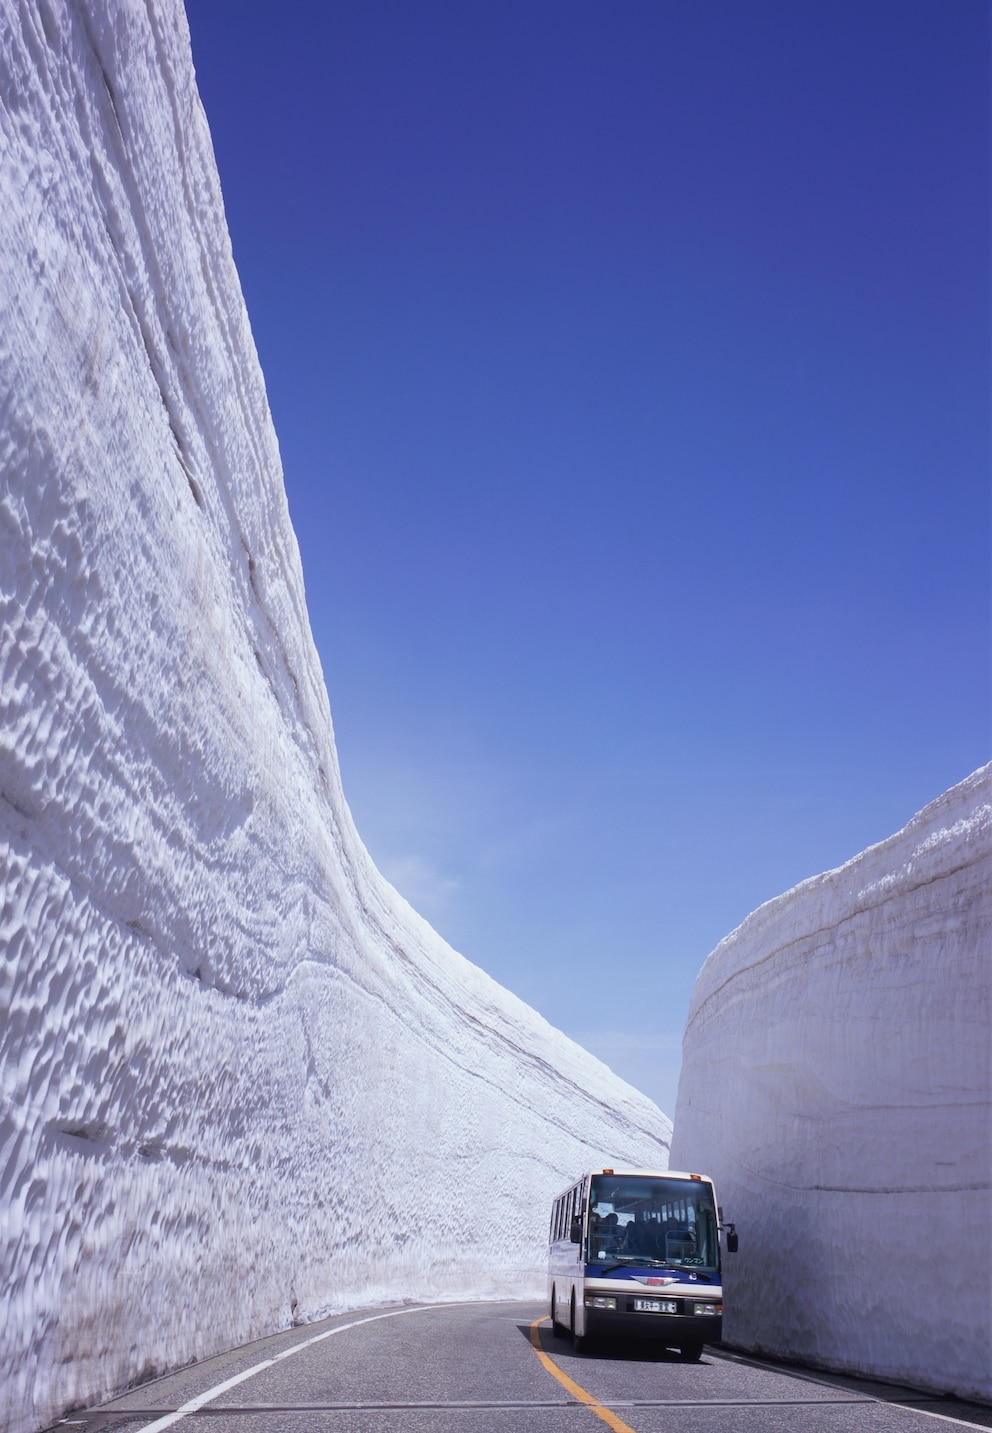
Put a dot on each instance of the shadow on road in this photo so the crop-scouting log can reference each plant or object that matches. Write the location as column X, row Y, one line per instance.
column 625, row 1350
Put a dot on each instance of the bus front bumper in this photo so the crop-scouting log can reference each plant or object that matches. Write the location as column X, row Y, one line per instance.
column 671, row 1330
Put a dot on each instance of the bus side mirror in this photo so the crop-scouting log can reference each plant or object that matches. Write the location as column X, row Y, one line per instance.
column 575, row 1229
column 732, row 1243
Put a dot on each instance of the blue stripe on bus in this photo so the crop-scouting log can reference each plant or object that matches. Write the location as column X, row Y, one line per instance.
column 642, row 1271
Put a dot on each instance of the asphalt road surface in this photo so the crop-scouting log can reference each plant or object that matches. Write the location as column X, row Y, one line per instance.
column 497, row 1368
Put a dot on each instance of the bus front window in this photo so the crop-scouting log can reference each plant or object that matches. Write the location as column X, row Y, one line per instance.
column 647, row 1219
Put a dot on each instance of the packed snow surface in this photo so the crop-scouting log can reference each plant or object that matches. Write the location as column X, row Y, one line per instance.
column 836, row 1084
column 242, row 1081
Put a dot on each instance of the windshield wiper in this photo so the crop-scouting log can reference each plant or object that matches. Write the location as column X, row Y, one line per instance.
column 641, row 1263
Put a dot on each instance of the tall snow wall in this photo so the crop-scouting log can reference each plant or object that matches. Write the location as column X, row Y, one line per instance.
column 836, row 1081
column 242, row 1081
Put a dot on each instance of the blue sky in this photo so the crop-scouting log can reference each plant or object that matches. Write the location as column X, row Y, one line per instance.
column 630, row 365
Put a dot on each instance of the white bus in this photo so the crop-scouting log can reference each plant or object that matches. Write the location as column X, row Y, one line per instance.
column 636, row 1253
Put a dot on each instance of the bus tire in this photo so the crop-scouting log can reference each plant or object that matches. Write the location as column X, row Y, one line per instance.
column 578, row 1342
column 691, row 1350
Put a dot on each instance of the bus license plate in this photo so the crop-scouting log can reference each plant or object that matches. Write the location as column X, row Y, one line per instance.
column 655, row 1306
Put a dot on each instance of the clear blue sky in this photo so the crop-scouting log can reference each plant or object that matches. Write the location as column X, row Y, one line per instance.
column 630, row 365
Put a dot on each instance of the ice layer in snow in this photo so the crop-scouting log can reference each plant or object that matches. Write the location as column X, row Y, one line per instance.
column 242, row 1081
column 836, row 1083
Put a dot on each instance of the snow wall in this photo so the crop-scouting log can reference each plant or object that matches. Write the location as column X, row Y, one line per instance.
column 836, row 1084
column 242, row 1081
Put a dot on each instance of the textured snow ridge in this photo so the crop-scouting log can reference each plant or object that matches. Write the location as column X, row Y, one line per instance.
column 836, row 1083
column 242, row 1081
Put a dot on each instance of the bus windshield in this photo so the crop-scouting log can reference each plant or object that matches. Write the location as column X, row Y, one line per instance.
column 647, row 1220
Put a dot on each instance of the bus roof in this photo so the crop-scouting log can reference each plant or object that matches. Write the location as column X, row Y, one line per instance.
column 639, row 1173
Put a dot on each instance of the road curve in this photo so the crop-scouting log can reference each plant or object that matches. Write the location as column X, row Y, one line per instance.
column 497, row 1368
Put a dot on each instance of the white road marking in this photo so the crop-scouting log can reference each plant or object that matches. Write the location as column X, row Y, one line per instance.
column 796, row 1372
column 202, row 1398
column 945, row 1417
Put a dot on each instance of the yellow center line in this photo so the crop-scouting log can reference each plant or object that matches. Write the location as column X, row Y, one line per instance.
column 575, row 1389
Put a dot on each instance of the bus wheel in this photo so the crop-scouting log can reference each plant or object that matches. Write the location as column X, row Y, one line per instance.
column 559, row 1330
column 578, row 1342
column 692, row 1350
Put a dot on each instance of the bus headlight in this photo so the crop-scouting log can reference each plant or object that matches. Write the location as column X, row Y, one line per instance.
column 701, row 1310
column 600, row 1301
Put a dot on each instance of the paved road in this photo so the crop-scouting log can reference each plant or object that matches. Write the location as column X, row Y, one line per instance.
column 494, row 1368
